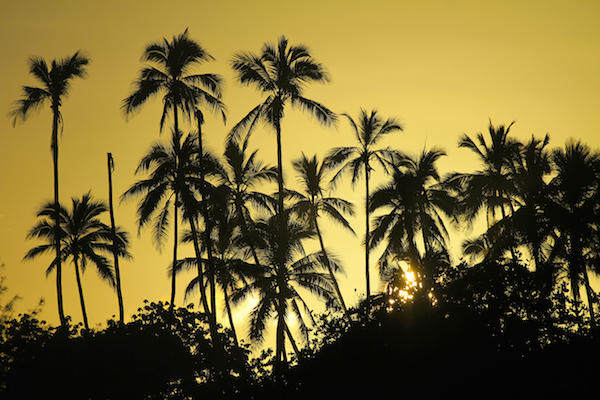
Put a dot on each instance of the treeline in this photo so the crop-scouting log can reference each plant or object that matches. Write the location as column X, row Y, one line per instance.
column 519, row 285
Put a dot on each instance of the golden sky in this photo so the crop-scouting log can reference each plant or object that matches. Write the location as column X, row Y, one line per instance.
column 441, row 67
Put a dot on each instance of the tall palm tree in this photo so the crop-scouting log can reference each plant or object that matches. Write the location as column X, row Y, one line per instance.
column 357, row 160
column 183, row 92
column 173, row 183
column 286, row 270
column 280, row 72
column 311, row 203
column 576, row 215
column 414, row 202
column 56, row 83
column 83, row 236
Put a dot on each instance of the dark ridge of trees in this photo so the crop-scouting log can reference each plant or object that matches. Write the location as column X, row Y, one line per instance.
column 507, row 319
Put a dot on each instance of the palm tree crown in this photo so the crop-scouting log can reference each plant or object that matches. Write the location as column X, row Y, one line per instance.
column 170, row 75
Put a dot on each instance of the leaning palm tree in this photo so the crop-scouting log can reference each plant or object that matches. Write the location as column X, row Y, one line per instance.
column 357, row 160
column 414, row 204
column 56, row 83
column 280, row 72
column 286, row 270
column 84, row 238
column 311, row 203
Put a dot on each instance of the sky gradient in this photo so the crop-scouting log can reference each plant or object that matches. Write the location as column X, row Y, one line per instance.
column 442, row 67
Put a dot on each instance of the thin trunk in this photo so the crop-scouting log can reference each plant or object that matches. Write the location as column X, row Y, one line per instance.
column 367, row 234
column 54, row 149
column 203, row 299
column 230, row 317
column 282, row 239
column 207, row 233
column 81, row 300
column 334, row 281
column 114, row 235
column 175, row 239
column 590, row 297
column 292, row 341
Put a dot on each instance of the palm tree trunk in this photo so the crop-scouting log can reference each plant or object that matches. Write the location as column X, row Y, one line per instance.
column 230, row 317
column 292, row 341
column 114, row 235
column 54, row 148
column 81, row 300
column 333, row 280
column 590, row 297
column 203, row 299
column 367, row 234
column 175, row 240
column 207, row 233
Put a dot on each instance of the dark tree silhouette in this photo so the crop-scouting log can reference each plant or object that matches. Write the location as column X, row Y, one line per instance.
column 183, row 92
column 83, row 237
column 310, row 203
column 414, row 203
column 56, row 83
column 357, row 160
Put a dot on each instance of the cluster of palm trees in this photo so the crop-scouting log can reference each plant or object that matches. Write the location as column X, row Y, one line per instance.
column 250, row 244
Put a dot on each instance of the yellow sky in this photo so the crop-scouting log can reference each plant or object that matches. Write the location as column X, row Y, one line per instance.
column 442, row 67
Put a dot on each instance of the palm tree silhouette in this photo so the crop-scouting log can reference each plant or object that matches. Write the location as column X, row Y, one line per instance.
column 280, row 72
column 183, row 92
column 491, row 188
column 356, row 160
column 56, row 83
column 414, row 202
column 243, row 174
column 83, row 239
column 285, row 271
column 311, row 202
column 574, row 211
column 174, row 182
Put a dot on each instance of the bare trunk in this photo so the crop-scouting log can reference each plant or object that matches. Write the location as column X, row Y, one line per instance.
column 81, row 300
column 367, row 234
column 333, row 280
column 114, row 235
column 54, row 149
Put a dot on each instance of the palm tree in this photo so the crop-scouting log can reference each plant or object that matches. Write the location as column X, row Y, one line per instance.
column 492, row 187
column 574, row 212
column 280, row 72
column 173, row 183
column 56, row 84
column 414, row 202
column 183, row 92
column 83, row 239
column 311, row 202
column 357, row 160
column 286, row 270
column 243, row 174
